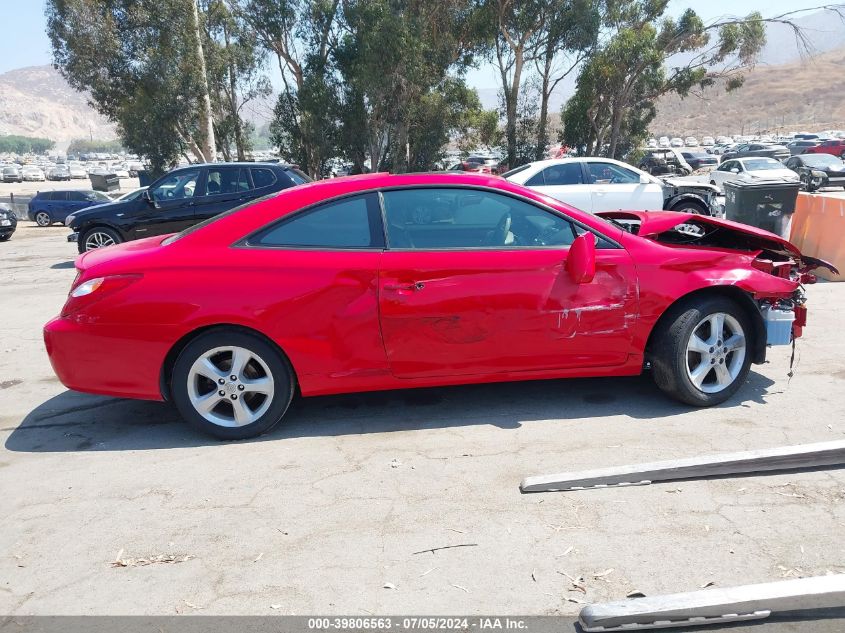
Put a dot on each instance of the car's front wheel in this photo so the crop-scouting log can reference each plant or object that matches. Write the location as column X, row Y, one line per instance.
column 42, row 218
column 702, row 355
column 98, row 237
column 231, row 384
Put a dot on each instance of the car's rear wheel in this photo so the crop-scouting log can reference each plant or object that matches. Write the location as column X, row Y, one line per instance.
column 98, row 237
column 231, row 384
column 702, row 354
column 42, row 218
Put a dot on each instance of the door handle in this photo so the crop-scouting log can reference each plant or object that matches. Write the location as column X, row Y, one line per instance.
column 415, row 286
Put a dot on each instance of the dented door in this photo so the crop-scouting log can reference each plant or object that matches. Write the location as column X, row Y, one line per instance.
column 486, row 312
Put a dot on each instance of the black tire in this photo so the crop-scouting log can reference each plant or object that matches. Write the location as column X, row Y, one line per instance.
column 282, row 374
column 807, row 183
column 6, row 237
column 691, row 206
column 670, row 356
column 43, row 218
column 91, row 233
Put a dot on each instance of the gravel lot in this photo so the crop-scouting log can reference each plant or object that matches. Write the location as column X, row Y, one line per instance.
column 318, row 516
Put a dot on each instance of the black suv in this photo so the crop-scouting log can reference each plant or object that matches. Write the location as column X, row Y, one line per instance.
column 180, row 199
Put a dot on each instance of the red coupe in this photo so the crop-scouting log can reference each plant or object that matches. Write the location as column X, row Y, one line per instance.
column 386, row 282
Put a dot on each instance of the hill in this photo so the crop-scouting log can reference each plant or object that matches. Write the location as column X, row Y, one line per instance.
column 803, row 95
column 37, row 101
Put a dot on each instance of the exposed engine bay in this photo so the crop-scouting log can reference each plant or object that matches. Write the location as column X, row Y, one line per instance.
column 784, row 317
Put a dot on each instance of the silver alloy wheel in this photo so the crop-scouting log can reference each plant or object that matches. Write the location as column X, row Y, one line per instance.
column 42, row 218
column 715, row 352
column 98, row 239
column 230, row 386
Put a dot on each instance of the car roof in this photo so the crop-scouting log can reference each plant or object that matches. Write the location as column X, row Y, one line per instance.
column 237, row 164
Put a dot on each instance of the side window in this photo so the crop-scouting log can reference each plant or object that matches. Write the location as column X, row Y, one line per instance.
column 727, row 166
column 177, row 186
column 454, row 218
column 608, row 173
column 348, row 223
column 226, row 180
column 46, row 195
column 537, row 180
column 263, row 177
column 76, row 196
column 564, row 174
column 58, row 196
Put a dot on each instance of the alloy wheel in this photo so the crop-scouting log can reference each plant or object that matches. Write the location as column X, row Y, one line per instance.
column 715, row 352
column 42, row 218
column 98, row 239
column 230, row 386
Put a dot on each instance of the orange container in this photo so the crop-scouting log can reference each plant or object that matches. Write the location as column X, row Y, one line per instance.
column 818, row 230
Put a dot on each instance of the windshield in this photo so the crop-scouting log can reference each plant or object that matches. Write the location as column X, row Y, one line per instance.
column 762, row 164
column 820, row 160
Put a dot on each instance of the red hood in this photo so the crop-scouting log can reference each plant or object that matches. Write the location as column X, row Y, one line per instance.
column 653, row 223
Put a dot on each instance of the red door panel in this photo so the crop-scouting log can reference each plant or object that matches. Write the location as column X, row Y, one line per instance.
column 484, row 312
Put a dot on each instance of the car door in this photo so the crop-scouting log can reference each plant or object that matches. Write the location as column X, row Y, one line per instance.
column 169, row 207
column 564, row 182
column 224, row 187
column 614, row 187
column 474, row 282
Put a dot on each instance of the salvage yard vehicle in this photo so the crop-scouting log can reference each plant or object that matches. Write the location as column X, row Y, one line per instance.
column 8, row 223
column 818, row 170
column 179, row 199
column 604, row 184
column 834, row 147
column 665, row 161
column 698, row 159
column 47, row 207
column 768, row 150
column 389, row 282
column 12, row 173
column 750, row 170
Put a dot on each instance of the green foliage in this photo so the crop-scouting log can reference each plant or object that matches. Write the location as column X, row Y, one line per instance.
column 139, row 66
column 618, row 87
column 25, row 144
column 86, row 146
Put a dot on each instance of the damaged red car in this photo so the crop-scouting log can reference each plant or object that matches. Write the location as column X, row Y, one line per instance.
column 386, row 282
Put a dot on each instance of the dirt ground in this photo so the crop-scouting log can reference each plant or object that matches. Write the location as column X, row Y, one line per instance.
column 332, row 512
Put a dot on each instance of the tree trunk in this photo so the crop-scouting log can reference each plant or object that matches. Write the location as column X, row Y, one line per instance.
column 542, row 129
column 233, row 95
column 511, row 100
column 206, row 143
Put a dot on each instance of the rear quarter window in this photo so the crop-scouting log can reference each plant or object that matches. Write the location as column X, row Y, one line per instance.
column 262, row 177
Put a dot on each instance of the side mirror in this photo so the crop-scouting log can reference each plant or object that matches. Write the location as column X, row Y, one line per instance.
column 644, row 180
column 581, row 261
column 734, row 170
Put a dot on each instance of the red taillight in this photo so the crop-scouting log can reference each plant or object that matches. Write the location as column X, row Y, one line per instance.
column 92, row 290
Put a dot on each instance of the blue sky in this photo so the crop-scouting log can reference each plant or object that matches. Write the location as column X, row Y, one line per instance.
column 24, row 42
